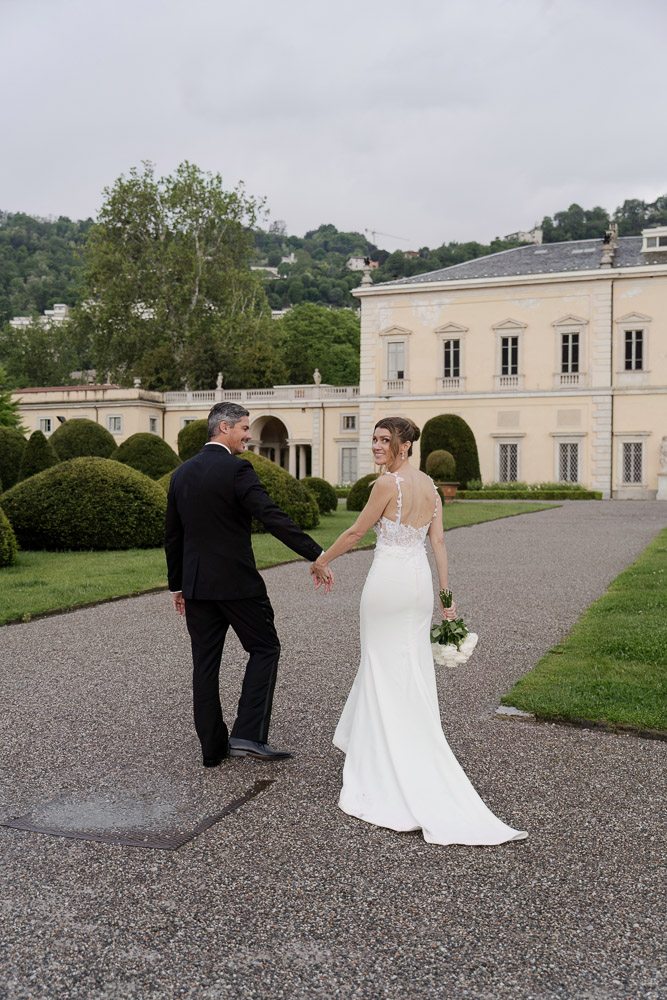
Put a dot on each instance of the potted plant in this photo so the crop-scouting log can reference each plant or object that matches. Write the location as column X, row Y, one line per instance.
column 441, row 467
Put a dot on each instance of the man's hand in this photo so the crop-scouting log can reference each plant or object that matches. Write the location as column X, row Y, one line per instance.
column 322, row 575
column 179, row 603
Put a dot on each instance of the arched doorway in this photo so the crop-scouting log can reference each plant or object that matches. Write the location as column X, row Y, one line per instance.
column 270, row 440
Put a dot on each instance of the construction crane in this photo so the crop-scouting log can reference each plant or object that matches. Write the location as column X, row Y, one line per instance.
column 375, row 232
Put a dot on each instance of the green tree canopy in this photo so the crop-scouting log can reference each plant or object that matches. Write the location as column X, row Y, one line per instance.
column 316, row 337
column 166, row 264
column 40, row 354
column 37, row 455
column 10, row 415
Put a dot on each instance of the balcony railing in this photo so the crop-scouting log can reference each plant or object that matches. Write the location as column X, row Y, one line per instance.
column 508, row 382
column 451, row 384
column 568, row 378
column 278, row 394
column 396, row 386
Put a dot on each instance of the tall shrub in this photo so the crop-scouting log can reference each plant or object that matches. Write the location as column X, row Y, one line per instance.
column 289, row 493
column 87, row 503
column 440, row 465
column 12, row 446
column 37, row 456
column 147, row 453
column 79, row 437
column 192, row 439
column 358, row 496
column 325, row 494
column 451, row 433
column 8, row 544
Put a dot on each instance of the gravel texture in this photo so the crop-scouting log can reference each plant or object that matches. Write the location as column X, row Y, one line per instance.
column 288, row 897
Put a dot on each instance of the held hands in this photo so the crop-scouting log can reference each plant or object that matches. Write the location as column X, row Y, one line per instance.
column 179, row 603
column 322, row 575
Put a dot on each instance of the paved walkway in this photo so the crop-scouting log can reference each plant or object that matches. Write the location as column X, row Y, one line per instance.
column 287, row 896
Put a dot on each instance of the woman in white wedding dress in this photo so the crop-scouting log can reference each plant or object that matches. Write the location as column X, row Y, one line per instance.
column 399, row 770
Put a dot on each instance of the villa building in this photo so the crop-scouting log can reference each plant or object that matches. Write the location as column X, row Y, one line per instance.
column 555, row 355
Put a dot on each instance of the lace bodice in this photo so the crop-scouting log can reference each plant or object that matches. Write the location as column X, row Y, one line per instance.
column 396, row 535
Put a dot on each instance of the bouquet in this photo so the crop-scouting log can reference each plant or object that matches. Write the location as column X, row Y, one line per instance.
column 451, row 642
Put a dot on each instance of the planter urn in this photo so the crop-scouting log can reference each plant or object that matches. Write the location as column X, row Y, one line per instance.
column 448, row 491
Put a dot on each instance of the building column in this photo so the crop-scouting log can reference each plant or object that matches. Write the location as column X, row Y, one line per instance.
column 315, row 451
column 303, row 467
column 292, row 460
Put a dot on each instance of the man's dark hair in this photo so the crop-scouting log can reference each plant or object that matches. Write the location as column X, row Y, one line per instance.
column 231, row 413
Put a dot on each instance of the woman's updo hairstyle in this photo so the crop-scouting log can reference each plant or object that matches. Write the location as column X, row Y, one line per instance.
column 402, row 430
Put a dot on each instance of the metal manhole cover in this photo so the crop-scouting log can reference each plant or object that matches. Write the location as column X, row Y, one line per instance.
column 163, row 841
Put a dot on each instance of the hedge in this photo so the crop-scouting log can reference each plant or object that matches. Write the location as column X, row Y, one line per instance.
column 147, row 453
column 87, row 503
column 80, row 437
column 12, row 446
column 288, row 492
column 37, row 456
column 165, row 481
column 325, row 494
column 451, row 433
column 528, row 495
column 358, row 496
column 192, row 438
column 440, row 465
column 8, row 544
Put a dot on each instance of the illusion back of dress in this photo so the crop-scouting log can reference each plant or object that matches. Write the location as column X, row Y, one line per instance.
column 408, row 515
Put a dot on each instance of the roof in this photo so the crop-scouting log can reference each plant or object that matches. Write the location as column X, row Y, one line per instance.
column 67, row 388
column 575, row 255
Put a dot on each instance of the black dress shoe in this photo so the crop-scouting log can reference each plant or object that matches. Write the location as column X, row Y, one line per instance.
column 259, row 751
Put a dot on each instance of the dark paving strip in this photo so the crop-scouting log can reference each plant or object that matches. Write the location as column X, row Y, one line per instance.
column 156, row 841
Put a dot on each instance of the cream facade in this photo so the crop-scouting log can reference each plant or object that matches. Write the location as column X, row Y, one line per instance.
column 556, row 356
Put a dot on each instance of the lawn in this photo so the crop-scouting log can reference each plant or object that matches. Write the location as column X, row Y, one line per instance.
column 49, row 581
column 612, row 668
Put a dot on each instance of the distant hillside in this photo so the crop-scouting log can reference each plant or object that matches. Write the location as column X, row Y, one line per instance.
column 40, row 259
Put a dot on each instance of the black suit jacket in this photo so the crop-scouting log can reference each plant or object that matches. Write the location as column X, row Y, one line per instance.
column 212, row 500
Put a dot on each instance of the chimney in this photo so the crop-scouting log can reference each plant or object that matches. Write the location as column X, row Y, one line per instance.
column 609, row 244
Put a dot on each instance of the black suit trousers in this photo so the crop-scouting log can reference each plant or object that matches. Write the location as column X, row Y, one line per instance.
column 252, row 620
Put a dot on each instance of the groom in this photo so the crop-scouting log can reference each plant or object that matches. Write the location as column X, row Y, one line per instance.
column 215, row 584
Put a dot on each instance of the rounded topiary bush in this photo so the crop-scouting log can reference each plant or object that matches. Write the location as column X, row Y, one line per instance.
column 80, row 437
column 440, row 465
column 12, row 446
column 165, row 481
column 37, row 456
column 357, row 498
column 87, row 503
column 147, row 453
column 288, row 492
column 192, row 438
column 447, row 432
column 325, row 494
column 8, row 544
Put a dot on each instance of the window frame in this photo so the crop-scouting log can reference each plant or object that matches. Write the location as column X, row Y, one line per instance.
column 395, row 335
column 571, row 437
column 112, row 417
column 509, row 381
column 43, row 420
column 632, row 322
column 150, row 428
column 451, row 332
column 639, row 437
column 347, row 416
column 505, row 439
column 351, row 446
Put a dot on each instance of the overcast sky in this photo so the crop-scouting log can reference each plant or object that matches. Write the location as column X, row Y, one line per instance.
column 432, row 120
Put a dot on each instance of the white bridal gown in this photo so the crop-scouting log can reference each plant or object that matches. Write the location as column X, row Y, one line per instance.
column 399, row 770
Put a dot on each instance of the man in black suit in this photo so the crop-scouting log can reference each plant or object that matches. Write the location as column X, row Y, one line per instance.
column 215, row 584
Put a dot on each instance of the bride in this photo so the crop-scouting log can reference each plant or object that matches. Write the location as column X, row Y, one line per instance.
column 399, row 770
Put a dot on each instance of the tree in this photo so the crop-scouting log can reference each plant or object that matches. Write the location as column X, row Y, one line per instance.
column 167, row 264
column 38, row 354
column 575, row 223
column 10, row 415
column 316, row 337
column 159, row 370
column 448, row 432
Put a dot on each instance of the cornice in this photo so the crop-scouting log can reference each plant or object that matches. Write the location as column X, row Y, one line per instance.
column 596, row 274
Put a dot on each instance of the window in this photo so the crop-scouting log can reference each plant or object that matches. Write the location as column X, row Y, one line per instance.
column 45, row 425
column 632, row 462
column 349, row 421
column 569, row 355
column 396, row 360
column 152, row 425
column 452, row 366
column 115, row 424
column 187, row 420
column 509, row 356
column 508, row 462
column 656, row 241
column 568, row 462
column 634, row 350
column 348, row 465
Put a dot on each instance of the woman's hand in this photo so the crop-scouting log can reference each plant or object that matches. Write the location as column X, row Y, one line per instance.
column 449, row 614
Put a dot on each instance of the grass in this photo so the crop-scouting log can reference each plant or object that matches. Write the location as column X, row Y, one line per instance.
column 612, row 668
column 40, row 582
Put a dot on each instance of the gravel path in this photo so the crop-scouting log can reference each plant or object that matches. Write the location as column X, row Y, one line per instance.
column 288, row 897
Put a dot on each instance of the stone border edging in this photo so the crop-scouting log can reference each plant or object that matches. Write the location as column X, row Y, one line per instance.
column 616, row 728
